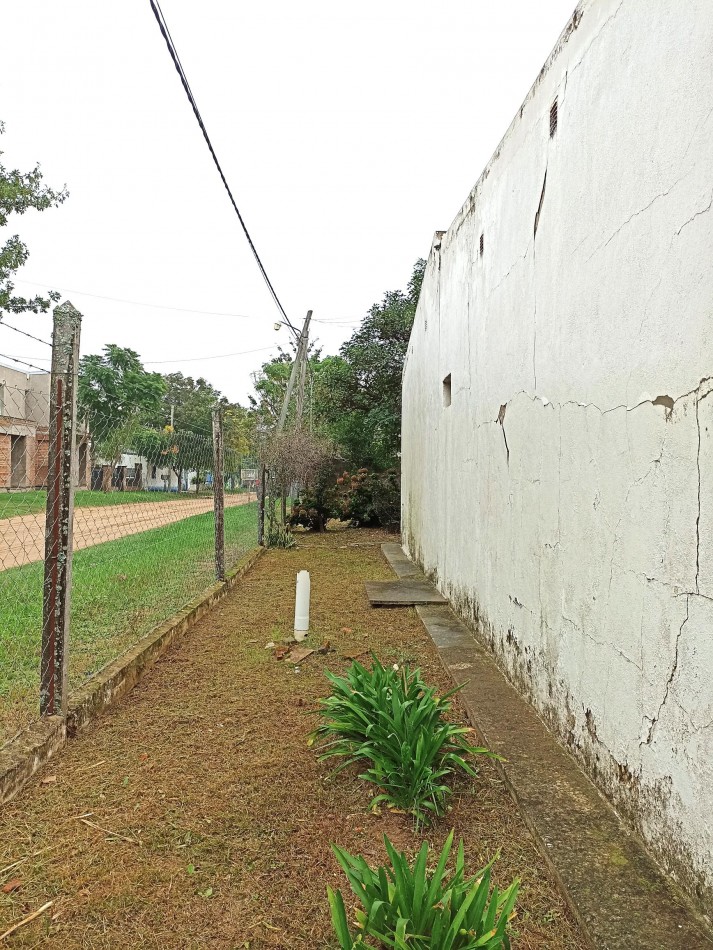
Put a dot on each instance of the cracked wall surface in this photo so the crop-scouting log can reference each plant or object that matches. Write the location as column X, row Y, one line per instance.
column 564, row 499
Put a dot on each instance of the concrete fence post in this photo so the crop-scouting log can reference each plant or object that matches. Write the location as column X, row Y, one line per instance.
column 61, row 476
column 261, row 506
column 218, row 494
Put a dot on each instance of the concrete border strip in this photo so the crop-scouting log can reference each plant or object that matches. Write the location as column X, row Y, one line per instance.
column 617, row 893
column 23, row 755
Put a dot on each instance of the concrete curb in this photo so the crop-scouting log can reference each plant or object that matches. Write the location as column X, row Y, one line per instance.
column 22, row 756
column 616, row 892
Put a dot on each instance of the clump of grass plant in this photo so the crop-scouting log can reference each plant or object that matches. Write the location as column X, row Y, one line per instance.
column 410, row 908
column 388, row 718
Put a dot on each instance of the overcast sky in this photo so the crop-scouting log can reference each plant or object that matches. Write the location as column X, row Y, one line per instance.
column 349, row 134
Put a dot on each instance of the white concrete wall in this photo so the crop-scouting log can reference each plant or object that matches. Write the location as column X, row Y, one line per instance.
column 564, row 500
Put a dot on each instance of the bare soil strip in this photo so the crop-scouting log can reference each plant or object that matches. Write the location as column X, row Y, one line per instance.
column 193, row 815
column 22, row 539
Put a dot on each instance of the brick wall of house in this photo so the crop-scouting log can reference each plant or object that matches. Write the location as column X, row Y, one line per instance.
column 4, row 461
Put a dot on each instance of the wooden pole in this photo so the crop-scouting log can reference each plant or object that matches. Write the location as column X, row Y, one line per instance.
column 61, row 476
column 301, row 349
column 218, row 494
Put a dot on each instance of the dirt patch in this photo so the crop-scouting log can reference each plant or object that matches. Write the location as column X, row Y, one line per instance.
column 22, row 539
column 210, row 818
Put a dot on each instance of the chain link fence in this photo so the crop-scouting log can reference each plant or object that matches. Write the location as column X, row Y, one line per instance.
column 103, row 535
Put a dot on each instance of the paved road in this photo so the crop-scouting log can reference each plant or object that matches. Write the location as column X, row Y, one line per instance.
column 22, row 539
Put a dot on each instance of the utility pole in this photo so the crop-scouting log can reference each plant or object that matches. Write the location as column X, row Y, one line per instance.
column 296, row 370
column 302, row 375
column 297, row 373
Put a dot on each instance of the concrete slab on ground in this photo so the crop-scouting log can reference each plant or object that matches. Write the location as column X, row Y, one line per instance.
column 402, row 593
column 618, row 894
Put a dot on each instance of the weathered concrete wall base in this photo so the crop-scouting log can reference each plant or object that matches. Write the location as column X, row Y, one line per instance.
column 613, row 887
column 23, row 755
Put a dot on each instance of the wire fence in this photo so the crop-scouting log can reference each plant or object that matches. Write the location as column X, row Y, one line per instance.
column 103, row 535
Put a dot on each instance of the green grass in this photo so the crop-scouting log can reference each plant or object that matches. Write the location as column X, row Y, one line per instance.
column 121, row 589
column 30, row 502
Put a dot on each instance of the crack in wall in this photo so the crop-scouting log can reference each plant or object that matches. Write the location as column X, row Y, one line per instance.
column 670, row 679
column 696, row 215
column 539, row 206
column 501, row 420
column 658, row 400
column 636, row 214
column 596, row 36
column 699, row 400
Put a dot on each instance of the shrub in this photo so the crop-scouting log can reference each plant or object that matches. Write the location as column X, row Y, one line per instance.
column 315, row 507
column 278, row 536
column 409, row 908
column 393, row 721
column 370, row 499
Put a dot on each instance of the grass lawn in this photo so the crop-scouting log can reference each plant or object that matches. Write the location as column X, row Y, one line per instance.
column 30, row 502
column 121, row 590
column 208, row 817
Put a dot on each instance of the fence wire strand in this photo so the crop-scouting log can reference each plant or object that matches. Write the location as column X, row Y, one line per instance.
column 143, row 536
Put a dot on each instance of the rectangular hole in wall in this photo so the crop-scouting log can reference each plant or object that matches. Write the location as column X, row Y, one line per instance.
column 482, row 244
column 447, row 390
column 553, row 118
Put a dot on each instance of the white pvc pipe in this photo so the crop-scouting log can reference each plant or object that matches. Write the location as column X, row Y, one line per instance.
column 302, row 605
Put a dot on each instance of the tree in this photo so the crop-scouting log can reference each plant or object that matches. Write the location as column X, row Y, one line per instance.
column 20, row 191
column 177, row 451
column 192, row 402
column 358, row 394
column 115, row 395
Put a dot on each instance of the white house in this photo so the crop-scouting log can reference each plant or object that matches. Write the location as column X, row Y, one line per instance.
column 558, row 416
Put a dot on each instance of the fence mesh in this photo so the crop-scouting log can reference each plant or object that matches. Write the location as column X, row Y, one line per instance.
column 143, row 537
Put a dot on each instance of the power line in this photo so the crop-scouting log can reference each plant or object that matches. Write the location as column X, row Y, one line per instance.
column 217, row 356
column 163, row 26
column 139, row 303
column 3, row 323
column 334, row 321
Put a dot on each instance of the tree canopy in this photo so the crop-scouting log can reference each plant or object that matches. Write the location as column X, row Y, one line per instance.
column 358, row 393
column 115, row 394
column 20, row 191
column 354, row 398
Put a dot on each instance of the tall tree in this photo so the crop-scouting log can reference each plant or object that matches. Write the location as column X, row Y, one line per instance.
column 20, row 191
column 358, row 393
column 115, row 394
column 190, row 403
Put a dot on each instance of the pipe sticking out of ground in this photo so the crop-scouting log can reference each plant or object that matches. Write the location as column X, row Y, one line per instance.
column 302, row 595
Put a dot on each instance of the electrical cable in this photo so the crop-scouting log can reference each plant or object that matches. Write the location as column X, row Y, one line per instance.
column 163, row 26
column 17, row 330
column 334, row 321
column 217, row 356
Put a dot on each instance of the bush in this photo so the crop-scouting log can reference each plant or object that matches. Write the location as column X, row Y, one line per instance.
column 392, row 720
column 409, row 909
column 311, row 512
column 278, row 536
column 370, row 499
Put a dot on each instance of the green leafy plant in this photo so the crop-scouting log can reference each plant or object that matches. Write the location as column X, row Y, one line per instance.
column 279, row 536
column 389, row 718
column 410, row 908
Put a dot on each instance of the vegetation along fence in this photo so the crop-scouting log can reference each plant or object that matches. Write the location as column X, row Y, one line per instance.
column 110, row 521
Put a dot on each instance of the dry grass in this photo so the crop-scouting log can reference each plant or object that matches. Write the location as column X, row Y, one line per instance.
column 225, row 816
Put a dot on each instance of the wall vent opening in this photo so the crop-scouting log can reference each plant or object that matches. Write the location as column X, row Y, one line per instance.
column 482, row 244
column 553, row 118
column 447, row 391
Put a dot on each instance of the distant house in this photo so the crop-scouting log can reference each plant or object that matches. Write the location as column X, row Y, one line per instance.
column 24, row 431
